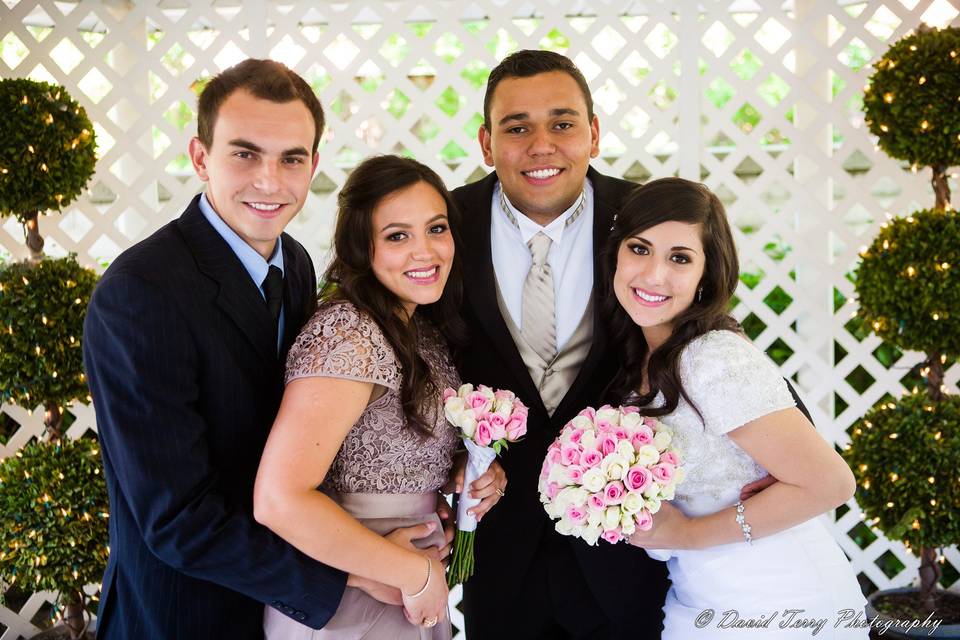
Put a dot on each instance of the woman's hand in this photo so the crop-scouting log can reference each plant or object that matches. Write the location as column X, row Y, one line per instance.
column 429, row 606
column 671, row 530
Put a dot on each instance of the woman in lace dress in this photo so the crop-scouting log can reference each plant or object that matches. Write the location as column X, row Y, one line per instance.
column 766, row 567
column 362, row 412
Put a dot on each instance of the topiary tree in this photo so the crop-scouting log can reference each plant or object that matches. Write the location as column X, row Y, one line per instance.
column 911, row 103
column 47, row 154
column 42, row 308
column 906, row 454
column 54, row 532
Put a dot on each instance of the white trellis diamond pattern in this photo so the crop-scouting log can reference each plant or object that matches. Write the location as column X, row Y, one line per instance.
column 759, row 100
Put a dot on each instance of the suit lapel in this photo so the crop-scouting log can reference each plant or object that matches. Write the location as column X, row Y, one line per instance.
column 482, row 288
column 237, row 297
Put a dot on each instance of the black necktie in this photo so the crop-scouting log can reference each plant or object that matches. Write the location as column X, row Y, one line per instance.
column 273, row 291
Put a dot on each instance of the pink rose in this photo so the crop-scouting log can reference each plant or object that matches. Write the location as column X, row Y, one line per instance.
column 482, row 435
column 552, row 490
column 576, row 514
column 520, row 408
column 638, row 478
column 516, row 427
column 476, row 400
column 591, row 459
column 570, row 454
column 642, row 437
column 449, row 393
column 629, row 409
column 621, row 434
column 644, row 520
column 545, row 468
column 662, row 473
column 596, row 501
column 576, row 473
column 604, row 426
column 588, row 413
column 503, row 395
column 576, row 435
column 650, row 422
column 669, row 457
column 553, row 453
column 613, row 493
column 497, row 429
column 608, row 444
column 613, row 536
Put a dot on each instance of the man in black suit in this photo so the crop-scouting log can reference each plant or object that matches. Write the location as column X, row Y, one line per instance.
column 184, row 345
column 539, row 134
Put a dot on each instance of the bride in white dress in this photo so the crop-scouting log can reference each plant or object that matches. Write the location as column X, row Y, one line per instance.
column 765, row 567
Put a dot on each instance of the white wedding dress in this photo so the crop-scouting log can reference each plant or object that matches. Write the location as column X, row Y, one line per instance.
column 782, row 586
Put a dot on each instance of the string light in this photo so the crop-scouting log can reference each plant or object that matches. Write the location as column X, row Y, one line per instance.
column 884, row 128
column 923, row 80
column 894, row 477
column 911, row 271
column 924, row 125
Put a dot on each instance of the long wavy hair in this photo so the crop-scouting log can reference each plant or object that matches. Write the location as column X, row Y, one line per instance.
column 350, row 276
column 666, row 200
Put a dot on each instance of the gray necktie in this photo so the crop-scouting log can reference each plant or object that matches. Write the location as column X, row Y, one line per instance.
column 538, row 322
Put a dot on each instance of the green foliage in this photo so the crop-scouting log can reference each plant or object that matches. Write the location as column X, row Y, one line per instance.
column 908, row 284
column 42, row 308
column 47, row 148
column 895, row 450
column 54, row 532
column 897, row 103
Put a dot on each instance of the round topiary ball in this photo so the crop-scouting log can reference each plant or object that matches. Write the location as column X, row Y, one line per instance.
column 905, row 456
column 912, row 101
column 908, row 283
column 54, row 531
column 42, row 308
column 47, row 148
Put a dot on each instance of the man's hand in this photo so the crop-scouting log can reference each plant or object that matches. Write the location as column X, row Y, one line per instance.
column 752, row 489
column 376, row 590
column 488, row 488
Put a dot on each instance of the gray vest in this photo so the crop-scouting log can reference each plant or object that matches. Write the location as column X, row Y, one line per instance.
column 553, row 379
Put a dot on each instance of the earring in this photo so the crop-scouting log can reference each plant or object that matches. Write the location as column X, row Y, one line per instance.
column 700, row 294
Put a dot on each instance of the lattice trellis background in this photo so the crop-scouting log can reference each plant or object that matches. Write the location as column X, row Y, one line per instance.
column 759, row 100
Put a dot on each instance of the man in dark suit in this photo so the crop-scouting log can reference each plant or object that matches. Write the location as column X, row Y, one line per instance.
column 184, row 345
column 539, row 134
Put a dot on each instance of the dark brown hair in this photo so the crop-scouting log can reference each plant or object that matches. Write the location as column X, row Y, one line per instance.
column 664, row 200
column 265, row 79
column 532, row 62
column 350, row 275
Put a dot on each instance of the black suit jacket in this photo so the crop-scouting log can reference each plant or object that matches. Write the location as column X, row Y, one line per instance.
column 181, row 358
column 511, row 533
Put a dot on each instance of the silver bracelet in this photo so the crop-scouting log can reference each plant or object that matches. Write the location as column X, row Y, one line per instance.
column 744, row 526
column 425, row 584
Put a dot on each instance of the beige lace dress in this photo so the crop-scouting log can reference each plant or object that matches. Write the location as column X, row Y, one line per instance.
column 385, row 474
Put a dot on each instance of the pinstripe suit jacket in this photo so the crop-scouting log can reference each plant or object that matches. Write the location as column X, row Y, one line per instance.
column 181, row 357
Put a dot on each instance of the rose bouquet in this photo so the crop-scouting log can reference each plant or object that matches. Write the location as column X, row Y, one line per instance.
column 487, row 421
column 606, row 473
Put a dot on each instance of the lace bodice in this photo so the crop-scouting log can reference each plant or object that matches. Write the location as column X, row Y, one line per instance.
column 732, row 383
column 380, row 454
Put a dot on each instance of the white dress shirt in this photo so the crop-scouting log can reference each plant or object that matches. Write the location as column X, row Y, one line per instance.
column 570, row 259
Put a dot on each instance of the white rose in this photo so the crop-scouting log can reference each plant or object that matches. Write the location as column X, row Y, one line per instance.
column 591, row 533
column 577, row 495
column 453, row 410
column 503, row 407
column 558, row 474
column 653, row 505
column 594, row 517
column 593, row 480
column 647, row 455
column 615, row 469
column 465, row 390
column 630, row 420
column 553, row 510
column 589, row 439
column 632, row 502
column 653, row 491
column 628, row 525
column 610, row 415
column 662, row 440
column 582, row 422
column 625, row 449
column 468, row 424
column 667, row 492
column 611, row 518
column 563, row 526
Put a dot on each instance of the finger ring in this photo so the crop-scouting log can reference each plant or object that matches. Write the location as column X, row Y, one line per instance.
column 430, row 622
column 500, row 492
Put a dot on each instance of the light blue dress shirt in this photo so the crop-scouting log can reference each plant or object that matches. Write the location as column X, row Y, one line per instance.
column 252, row 261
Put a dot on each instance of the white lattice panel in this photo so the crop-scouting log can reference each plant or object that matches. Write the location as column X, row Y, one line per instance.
column 760, row 100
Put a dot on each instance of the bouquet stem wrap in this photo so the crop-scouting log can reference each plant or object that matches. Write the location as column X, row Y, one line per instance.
column 479, row 460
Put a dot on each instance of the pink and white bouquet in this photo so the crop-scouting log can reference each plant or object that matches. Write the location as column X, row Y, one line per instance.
column 487, row 421
column 607, row 472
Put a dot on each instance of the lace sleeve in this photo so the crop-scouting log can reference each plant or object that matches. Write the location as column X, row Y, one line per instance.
column 340, row 341
column 731, row 381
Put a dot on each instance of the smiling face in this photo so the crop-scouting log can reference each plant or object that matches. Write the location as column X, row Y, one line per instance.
column 412, row 245
column 658, row 273
column 540, row 142
column 258, row 167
